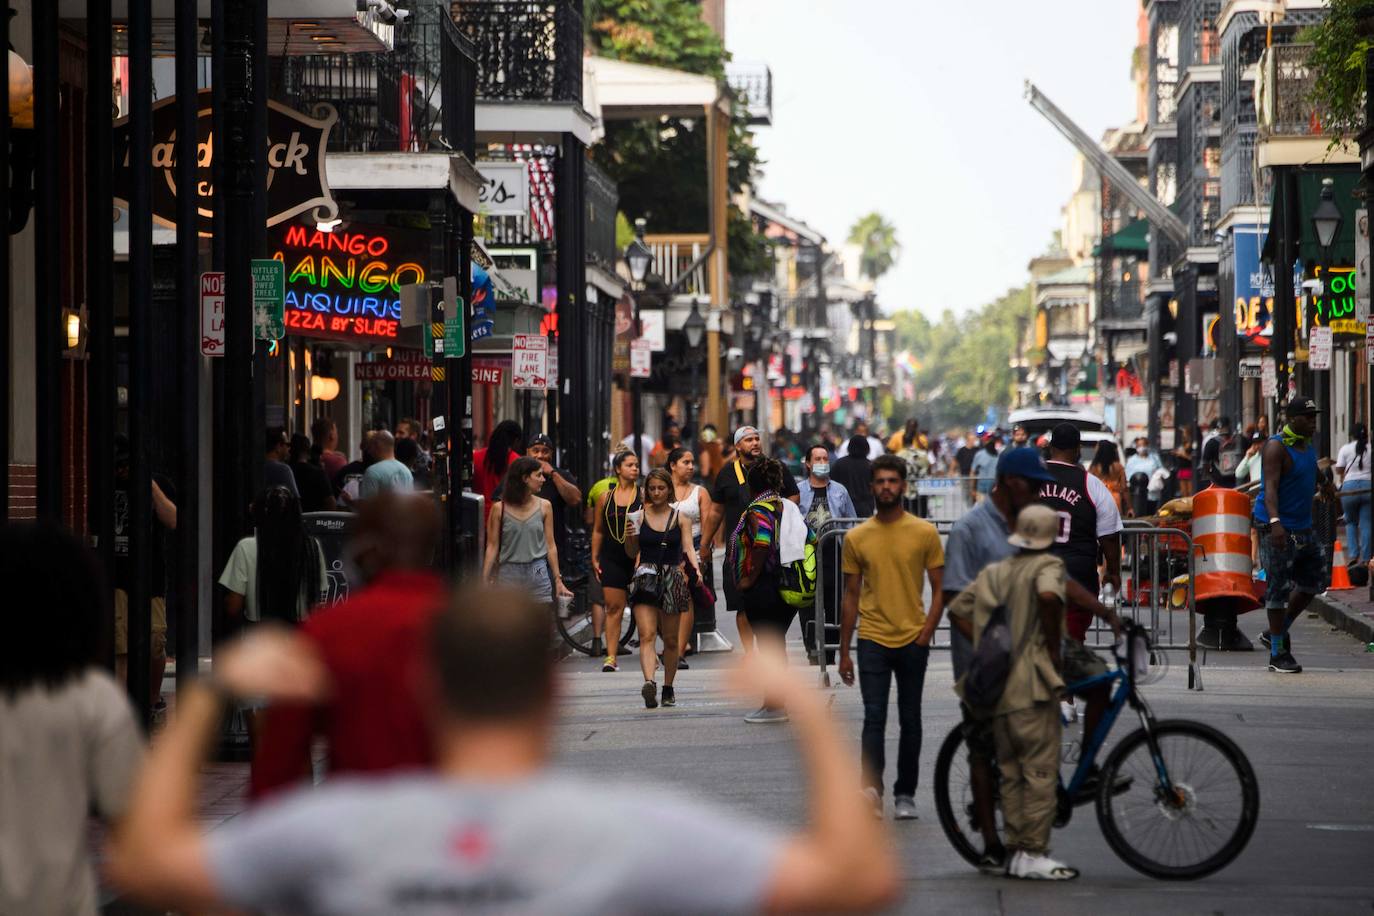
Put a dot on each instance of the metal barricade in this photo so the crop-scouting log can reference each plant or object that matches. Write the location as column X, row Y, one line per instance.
column 1157, row 570
column 943, row 500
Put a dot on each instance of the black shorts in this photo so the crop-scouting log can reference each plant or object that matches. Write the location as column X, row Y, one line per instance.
column 765, row 610
column 615, row 567
column 732, row 593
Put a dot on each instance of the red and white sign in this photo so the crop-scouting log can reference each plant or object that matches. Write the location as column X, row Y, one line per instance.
column 1319, row 352
column 529, row 361
column 1269, row 377
column 212, row 313
column 641, row 358
column 487, row 370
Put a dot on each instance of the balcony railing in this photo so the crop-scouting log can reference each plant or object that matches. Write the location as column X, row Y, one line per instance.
column 526, row 51
column 679, row 260
column 602, row 200
column 1283, row 93
column 801, row 312
column 386, row 101
column 535, row 227
column 752, row 85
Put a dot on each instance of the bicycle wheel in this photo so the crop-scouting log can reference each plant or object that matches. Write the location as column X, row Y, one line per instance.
column 577, row 629
column 954, row 797
column 1197, row 827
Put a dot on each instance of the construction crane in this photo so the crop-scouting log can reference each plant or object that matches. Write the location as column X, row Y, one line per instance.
column 1160, row 217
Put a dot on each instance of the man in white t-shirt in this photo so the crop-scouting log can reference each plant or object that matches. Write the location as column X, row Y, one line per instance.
column 491, row 830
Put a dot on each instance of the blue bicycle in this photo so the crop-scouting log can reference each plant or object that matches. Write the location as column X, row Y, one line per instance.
column 1176, row 799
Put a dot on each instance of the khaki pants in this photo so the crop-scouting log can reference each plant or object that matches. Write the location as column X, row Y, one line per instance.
column 1028, row 755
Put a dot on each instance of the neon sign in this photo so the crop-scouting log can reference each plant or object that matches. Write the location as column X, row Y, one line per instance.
column 1336, row 307
column 346, row 284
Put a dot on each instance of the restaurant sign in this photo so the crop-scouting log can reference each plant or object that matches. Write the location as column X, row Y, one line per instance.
column 296, row 180
column 346, row 284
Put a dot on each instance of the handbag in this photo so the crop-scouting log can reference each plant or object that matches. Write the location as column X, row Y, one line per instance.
column 646, row 581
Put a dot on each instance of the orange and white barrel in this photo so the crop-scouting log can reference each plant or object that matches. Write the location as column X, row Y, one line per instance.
column 1221, row 551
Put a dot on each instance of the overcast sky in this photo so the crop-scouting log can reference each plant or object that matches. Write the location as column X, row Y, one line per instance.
column 915, row 108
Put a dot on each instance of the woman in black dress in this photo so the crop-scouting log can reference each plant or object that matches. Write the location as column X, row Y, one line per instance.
column 610, row 554
column 658, row 591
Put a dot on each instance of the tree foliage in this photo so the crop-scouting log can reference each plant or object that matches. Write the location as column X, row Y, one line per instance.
column 877, row 240
column 963, row 364
column 1339, row 43
column 660, row 166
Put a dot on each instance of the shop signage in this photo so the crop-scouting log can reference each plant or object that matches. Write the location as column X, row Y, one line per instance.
column 506, row 188
column 392, row 370
column 653, row 327
column 641, row 358
column 1369, row 344
column 269, row 299
column 296, row 180
column 529, row 361
column 1269, row 377
column 1362, row 264
column 624, row 323
column 212, row 313
column 1319, row 349
column 346, row 284
column 1335, row 308
column 488, row 370
column 1250, row 367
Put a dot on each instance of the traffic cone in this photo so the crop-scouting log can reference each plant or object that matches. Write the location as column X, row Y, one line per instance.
column 1340, row 576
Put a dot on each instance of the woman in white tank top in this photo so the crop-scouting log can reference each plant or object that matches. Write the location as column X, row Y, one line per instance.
column 692, row 501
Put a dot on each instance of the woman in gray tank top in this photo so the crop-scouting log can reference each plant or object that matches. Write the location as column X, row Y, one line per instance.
column 520, row 544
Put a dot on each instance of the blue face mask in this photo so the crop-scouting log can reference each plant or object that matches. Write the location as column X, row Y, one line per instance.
column 821, row 469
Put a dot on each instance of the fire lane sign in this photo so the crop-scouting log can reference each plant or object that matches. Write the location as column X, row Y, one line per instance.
column 212, row 313
column 529, row 361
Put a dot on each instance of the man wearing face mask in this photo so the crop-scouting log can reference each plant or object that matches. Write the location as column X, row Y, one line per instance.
column 822, row 499
column 1141, row 466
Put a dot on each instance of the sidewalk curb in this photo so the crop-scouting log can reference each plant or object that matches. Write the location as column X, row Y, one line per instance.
column 1343, row 618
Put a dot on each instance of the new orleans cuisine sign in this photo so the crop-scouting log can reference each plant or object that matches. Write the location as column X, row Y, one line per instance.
column 296, row 180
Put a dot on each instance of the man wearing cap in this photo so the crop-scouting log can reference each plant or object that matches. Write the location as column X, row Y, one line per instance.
column 560, row 489
column 1089, row 522
column 1295, row 561
column 730, row 497
column 978, row 540
column 1025, row 723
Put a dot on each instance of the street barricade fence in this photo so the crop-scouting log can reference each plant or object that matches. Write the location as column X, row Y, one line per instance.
column 943, row 500
column 1157, row 571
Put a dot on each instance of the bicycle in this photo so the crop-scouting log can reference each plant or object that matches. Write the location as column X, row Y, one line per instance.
column 576, row 628
column 1177, row 799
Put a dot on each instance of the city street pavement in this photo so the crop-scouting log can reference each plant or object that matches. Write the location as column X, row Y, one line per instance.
column 1307, row 736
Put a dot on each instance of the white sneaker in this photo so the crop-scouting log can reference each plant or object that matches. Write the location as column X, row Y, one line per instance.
column 765, row 716
column 1039, row 867
column 875, row 801
column 904, row 808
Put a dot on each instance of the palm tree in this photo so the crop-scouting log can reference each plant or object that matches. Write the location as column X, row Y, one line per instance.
column 877, row 241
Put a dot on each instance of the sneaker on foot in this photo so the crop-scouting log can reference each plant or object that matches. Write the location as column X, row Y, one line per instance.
column 650, row 693
column 765, row 716
column 669, row 698
column 993, row 861
column 874, row 800
column 1284, row 664
column 1039, row 867
column 610, row 664
column 904, row 808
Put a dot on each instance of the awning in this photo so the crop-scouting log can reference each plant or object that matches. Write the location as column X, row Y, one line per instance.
column 1133, row 237
column 1309, row 188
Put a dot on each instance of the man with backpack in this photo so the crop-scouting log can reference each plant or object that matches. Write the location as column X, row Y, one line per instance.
column 1014, row 613
column 885, row 561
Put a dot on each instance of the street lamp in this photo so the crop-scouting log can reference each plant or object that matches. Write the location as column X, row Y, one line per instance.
column 1326, row 223
column 694, row 328
column 638, row 255
column 1326, row 219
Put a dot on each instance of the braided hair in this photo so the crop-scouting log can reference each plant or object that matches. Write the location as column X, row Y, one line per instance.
column 766, row 475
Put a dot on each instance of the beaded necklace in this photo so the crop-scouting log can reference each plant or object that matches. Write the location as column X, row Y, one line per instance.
column 624, row 519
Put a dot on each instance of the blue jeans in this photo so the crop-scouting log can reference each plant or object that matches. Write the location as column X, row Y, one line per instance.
column 877, row 666
column 1356, row 509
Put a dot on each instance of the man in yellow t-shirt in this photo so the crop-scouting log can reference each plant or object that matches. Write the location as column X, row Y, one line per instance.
column 886, row 561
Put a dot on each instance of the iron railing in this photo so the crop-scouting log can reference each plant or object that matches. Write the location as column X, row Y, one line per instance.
column 752, row 85
column 802, row 311
column 680, row 260
column 602, row 200
column 526, row 50
column 386, row 101
column 1285, row 91
column 1163, row 71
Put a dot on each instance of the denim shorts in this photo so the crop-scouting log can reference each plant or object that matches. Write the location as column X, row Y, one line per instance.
column 1302, row 562
column 534, row 576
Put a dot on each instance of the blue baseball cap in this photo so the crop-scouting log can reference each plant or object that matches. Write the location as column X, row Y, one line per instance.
column 1024, row 462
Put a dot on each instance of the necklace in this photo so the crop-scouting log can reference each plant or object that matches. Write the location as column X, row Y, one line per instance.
column 619, row 538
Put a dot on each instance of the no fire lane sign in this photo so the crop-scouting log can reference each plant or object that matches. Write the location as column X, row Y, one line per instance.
column 212, row 313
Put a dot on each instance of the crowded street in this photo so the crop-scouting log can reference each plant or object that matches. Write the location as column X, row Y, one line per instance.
column 593, row 457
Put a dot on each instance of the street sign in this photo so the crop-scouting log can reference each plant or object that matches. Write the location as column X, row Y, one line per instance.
column 269, row 299
column 1369, row 344
column 653, row 327
column 641, row 358
column 1362, row 265
column 455, row 340
column 552, row 384
column 1250, row 367
column 506, row 188
column 1319, row 349
column 529, row 361
column 212, row 313
column 1269, row 378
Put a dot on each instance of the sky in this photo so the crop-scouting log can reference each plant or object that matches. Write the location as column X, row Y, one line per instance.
column 915, row 108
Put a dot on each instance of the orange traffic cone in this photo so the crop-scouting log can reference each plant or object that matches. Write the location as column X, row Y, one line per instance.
column 1340, row 576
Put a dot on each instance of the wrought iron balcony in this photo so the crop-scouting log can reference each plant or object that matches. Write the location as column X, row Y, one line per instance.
column 386, row 101
column 1283, row 93
column 526, row 50
column 752, row 85
column 602, row 200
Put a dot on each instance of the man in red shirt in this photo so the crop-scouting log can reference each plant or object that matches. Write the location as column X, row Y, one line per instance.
column 372, row 645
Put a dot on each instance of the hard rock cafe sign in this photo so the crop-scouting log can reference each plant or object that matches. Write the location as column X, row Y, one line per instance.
column 296, row 180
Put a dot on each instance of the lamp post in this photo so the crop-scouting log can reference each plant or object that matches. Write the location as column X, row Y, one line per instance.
column 694, row 329
column 1326, row 225
column 639, row 256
